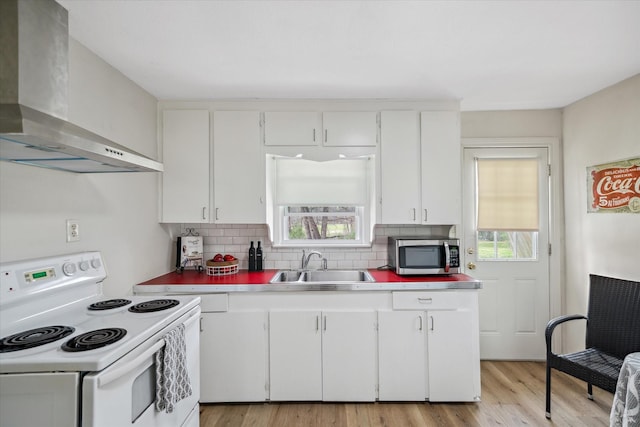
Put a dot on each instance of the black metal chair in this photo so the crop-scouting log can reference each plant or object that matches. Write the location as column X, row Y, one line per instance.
column 612, row 332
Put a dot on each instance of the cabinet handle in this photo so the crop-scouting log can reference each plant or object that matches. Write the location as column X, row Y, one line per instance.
column 204, row 213
column 414, row 213
column 201, row 330
column 324, row 326
column 432, row 323
column 317, row 323
column 217, row 213
column 420, row 317
column 325, row 135
column 425, row 215
column 314, row 135
column 425, row 300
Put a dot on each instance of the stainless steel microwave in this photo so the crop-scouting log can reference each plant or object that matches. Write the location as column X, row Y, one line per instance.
column 420, row 255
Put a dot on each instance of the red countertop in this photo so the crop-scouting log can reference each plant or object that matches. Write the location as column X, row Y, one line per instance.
column 245, row 277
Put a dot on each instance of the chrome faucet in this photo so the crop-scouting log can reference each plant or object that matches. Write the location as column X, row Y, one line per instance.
column 306, row 257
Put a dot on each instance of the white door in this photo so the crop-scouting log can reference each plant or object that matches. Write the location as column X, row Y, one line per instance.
column 513, row 264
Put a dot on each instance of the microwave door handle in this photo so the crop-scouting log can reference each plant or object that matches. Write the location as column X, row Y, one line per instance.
column 447, row 258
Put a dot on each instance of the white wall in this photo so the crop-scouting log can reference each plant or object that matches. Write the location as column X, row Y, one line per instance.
column 601, row 128
column 510, row 124
column 117, row 212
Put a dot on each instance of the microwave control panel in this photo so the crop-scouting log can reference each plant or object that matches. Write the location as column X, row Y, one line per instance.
column 454, row 254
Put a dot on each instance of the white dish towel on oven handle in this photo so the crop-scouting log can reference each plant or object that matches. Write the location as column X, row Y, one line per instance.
column 172, row 377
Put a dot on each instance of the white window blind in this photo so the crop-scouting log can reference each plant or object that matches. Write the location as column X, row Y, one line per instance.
column 336, row 182
column 507, row 194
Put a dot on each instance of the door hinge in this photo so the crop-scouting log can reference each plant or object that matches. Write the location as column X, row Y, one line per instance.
column 550, row 249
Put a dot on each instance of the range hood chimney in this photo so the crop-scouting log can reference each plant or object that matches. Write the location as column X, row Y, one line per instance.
column 34, row 71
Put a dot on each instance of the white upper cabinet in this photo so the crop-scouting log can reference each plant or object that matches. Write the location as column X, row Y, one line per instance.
column 441, row 167
column 400, row 167
column 350, row 128
column 333, row 129
column 292, row 128
column 238, row 168
column 185, row 154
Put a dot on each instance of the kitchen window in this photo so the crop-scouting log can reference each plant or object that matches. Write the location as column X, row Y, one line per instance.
column 320, row 203
column 328, row 223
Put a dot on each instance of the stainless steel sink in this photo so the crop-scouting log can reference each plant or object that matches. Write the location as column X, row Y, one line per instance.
column 338, row 276
column 321, row 276
column 287, row 276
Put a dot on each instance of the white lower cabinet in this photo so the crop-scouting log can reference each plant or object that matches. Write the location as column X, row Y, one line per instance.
column 397, row 346
column 453, row 366
column 402, row 345
column 233, row 354
column 428, row 355
column 322, row 355
column 295, row 355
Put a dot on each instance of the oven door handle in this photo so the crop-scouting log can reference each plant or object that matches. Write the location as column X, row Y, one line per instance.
column 109, row 377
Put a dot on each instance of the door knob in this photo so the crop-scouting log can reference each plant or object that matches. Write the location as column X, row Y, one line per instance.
column 471, row 266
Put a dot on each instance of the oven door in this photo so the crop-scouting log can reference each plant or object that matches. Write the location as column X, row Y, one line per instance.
column 125, row 392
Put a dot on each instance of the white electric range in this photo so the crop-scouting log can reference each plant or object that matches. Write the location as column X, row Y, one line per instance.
column 69, row 356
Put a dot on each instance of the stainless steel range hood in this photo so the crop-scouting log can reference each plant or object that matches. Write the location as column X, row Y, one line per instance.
column 34, row 71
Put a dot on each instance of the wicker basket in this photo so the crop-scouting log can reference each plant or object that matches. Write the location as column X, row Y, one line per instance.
column 222, row 268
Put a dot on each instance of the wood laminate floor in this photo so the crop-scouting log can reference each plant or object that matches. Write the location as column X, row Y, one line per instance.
column 513, row 394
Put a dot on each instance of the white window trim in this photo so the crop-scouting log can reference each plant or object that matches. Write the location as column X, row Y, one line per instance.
column 275, row 215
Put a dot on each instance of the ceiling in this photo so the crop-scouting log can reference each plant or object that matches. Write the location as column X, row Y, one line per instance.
column 491, row 55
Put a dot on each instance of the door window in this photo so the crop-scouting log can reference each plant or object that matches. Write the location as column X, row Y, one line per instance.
column 507, row 245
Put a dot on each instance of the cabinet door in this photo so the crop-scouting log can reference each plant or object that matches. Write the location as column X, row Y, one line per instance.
column 185, row 155
column 400, row 167
column 295, row 355
column 238, row 168
column 348, row 356
column 233, row 357
column 452, row 363
column 441, row 167
column 291, row 128
column 349, row 129
column 402, row 362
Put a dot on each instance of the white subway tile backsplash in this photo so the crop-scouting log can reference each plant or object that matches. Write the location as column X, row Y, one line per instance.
column 234, row 239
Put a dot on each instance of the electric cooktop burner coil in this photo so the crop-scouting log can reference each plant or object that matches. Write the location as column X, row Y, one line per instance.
column 94, row 339
column 34, row 338
column 154, row 305
column 109, row 304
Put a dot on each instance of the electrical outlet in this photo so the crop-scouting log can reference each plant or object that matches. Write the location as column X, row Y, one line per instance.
column 73, row 230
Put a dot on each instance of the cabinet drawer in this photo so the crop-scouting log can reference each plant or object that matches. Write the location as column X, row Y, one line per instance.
column 214, row 303
column 432, row 300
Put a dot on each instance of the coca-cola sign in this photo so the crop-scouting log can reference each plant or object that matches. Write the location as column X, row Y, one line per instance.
column 614, row 187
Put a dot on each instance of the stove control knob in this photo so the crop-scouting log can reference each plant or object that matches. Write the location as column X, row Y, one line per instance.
column 69, row 269
column 95, row 263
column 84, row 265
